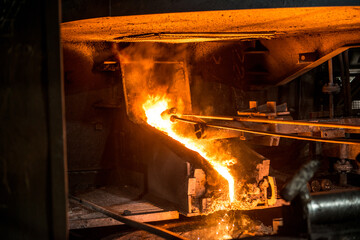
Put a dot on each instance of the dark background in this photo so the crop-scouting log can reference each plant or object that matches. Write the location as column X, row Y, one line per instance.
column 82, row 9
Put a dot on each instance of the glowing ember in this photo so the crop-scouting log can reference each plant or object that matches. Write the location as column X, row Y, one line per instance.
column 153, row 108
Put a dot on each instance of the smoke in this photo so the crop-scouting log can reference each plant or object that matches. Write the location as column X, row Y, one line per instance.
column 147, row 71
column 153, row 71
column 79, row 62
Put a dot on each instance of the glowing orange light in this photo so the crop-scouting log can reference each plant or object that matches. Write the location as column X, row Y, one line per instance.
column 153, row 108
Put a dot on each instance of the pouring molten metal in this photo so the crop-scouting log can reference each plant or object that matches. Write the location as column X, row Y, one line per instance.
column 155, row 106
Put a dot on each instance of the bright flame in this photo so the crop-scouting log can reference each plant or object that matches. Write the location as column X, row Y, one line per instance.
column 153, row 108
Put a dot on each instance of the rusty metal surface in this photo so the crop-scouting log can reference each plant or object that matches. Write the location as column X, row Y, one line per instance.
column 288, row 21
column 123, row 200
column 287, row 122
column 283, row 33
column 341, row 151
column 136, row 224
column 267, row 133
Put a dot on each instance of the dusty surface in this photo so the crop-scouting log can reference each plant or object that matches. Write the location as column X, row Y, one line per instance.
column 256, row 22
column 225, row 226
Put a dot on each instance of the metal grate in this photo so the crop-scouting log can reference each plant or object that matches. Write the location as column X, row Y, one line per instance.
column 355, row 104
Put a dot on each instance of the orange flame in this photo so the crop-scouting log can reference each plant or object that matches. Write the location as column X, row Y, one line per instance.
column 153, row 108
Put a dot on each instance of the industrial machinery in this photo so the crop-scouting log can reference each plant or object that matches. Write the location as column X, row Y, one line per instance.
column 198, row 112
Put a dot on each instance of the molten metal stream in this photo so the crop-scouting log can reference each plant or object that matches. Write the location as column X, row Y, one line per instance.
column 153, row 108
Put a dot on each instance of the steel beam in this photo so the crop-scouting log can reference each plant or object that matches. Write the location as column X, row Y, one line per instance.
column 274, row 121
column 266, row 133
column 139, row 225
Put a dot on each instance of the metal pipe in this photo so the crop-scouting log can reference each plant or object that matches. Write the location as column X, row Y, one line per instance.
column 139, row 225
column 331, row 105
column 247, row 130
column 225, row 118
column 203, row 132
column 334, row 207
column 331, row 78
column 347, row 85
column 331, row 82
column 343, row 81
column 287, row 122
